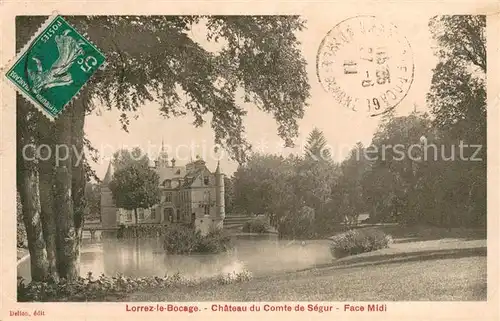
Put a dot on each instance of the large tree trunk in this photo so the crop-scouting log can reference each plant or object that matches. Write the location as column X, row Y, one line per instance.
column 49, row 222
column 30, row 198
column 28, row 188
column 78, row 176
column 47, row 199
column 63, row 200
column 70, row 188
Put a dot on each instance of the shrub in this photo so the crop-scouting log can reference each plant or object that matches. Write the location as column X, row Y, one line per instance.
column 234, row 277
column 214, row 242
column 296, row 228
column 255, row 226
column 180, row 239
column 105, row 288
column 359, row 241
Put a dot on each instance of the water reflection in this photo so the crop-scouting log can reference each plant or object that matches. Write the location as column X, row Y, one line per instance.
column 145, row 257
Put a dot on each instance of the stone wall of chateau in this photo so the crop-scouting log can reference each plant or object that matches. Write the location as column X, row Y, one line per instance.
column 108, row 209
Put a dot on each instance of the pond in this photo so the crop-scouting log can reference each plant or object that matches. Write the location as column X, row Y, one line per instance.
column 261, row 255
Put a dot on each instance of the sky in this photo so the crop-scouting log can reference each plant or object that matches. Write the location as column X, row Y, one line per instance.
column 342, row 128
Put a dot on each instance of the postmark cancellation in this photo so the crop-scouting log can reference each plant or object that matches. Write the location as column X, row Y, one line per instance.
column 366, row 64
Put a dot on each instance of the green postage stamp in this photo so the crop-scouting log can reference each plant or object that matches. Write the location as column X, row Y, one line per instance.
column 54, row 66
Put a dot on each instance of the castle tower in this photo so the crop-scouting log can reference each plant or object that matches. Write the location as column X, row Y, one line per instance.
column 162, row 161
column 219, row 197
column 108, row 208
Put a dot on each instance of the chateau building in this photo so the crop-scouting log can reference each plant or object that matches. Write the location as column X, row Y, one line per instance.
column 190, row 194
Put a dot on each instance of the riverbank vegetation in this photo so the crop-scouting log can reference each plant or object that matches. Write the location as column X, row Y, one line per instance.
column 359, row 241
column 181, row 239
column 106, row 288
column 256, row 226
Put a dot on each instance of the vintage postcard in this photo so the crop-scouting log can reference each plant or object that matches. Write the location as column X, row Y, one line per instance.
column 223, row 160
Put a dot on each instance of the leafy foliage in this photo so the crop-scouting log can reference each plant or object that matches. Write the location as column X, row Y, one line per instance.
column 93, row 201
column 105, row 288
column 257, row 56
column 135, row 187
column 280, row 186
column 359, row 241
column 316, row 147
column 298, row 223
column 179, row 239
column 255, row 226
column 228, row 194
column 124, row 158
column 216, row 241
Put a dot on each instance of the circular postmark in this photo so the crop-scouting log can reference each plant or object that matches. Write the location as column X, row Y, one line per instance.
column 366, row 64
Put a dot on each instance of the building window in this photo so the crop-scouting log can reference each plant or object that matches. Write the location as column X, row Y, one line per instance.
column 178, row 215
column 207, row 209
column 167, row 183
column 153, row 214
column 129, row 216
column 168, row 214
column 168, row 197
column 141, row 214
column 206, row 180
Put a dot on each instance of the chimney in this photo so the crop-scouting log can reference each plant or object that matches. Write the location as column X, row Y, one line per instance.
column 173, row 162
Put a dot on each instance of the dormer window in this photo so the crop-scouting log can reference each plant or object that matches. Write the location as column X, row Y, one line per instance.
column 206, row 180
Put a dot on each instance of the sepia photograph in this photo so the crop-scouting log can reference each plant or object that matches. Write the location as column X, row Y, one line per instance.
column 250, row 158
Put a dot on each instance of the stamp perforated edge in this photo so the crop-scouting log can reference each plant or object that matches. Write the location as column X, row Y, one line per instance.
column 5, row 70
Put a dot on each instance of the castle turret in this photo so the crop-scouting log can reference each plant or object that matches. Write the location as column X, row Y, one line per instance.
column 162, row 161
column 108, row 209
column 219, row 194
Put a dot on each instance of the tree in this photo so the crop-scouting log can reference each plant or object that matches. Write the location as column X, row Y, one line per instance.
column 263, row 185
column 316, row 147
column 282, row 187
column 124, row 158
column 458, row 101
column 135, row 187
column 297, row 223
column 21, row 230
column 228, row 194
column 315, row 182
column 392, row 184
column 349, row 192
column 93, row 201
column 259, row 56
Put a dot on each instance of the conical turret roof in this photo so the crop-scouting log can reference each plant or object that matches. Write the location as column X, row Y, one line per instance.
column 109, row 174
